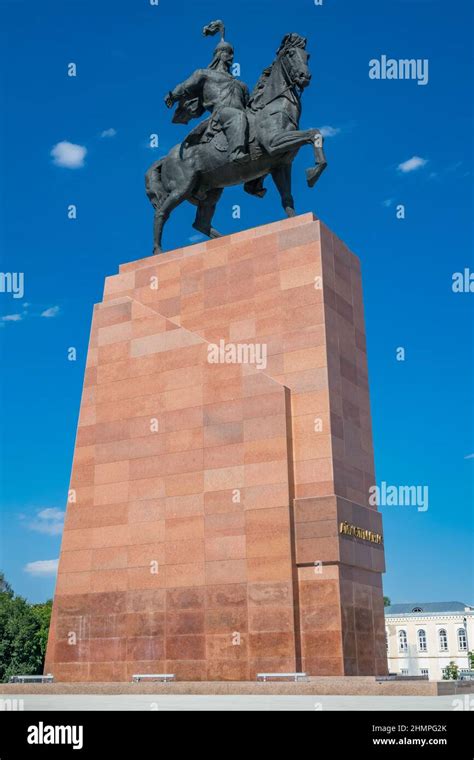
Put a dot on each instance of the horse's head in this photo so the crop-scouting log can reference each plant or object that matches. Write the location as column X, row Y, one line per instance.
column 294, row 60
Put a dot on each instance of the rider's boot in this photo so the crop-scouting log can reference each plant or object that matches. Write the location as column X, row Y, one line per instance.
column 239, row 156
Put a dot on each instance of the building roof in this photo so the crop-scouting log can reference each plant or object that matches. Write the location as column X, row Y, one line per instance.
column 404, row 609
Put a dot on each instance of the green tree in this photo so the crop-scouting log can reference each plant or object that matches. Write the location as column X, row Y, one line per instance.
column 4, row 585
column 470, row 656
column 23, row 633
column 451, row 672
column 386, row 601
column 42, row 613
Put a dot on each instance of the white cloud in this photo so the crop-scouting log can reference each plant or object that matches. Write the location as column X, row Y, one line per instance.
column 51, row 513
column 53, row 311
column 469, row 456
column 49, row 521
column 42, row 567
column 412, row 164
column 109, row 132
column 68, row 155
column 328, row 131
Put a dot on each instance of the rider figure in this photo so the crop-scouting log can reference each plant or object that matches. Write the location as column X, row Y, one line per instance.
column 214, row 89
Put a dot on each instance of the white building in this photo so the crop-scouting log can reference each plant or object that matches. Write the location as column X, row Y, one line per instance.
column 423, row 638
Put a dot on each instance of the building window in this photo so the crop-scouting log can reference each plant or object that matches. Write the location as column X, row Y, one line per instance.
column 424, row 672
column 404, row 672
column 443, row 640
column 462, row 640
column 422, row 640
column 417, row 609
column 402, row 641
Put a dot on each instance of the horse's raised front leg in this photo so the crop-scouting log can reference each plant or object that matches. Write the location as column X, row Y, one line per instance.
column 282, row 178
column 277, row 143
column 287, row 139
column 314, row 173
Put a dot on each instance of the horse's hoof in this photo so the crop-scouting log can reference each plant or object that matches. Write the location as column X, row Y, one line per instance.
column 157, row 250
column 210, row 232
column 201, row 230
column 290, row 211
column 313, row 174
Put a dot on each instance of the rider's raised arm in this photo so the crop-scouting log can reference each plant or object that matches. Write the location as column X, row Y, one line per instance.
column 190, row 87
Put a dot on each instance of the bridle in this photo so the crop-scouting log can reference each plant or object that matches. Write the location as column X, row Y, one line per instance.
column 291, row 86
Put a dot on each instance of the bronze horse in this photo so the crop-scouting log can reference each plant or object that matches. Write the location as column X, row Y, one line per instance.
column 198, row 171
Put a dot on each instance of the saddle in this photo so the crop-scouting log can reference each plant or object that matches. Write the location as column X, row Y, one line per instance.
column 209, row 130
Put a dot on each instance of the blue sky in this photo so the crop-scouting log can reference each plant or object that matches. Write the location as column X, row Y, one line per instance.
column 128, row 55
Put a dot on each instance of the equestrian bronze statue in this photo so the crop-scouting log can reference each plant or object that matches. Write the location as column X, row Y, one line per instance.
column 244, row 139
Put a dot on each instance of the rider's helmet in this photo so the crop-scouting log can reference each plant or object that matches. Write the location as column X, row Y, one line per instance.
column 223, row 50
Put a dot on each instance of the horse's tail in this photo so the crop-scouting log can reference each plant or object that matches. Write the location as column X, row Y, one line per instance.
column 153, row 184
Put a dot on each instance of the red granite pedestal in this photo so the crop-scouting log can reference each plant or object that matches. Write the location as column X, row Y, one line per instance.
column 203, row 530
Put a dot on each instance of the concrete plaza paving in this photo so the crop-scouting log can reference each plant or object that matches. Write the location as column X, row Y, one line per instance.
column 161, row 702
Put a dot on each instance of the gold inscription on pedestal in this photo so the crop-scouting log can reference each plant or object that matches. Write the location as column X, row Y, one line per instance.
column 366, row 535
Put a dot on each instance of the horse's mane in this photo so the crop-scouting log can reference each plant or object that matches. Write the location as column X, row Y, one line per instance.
column 258, row 90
